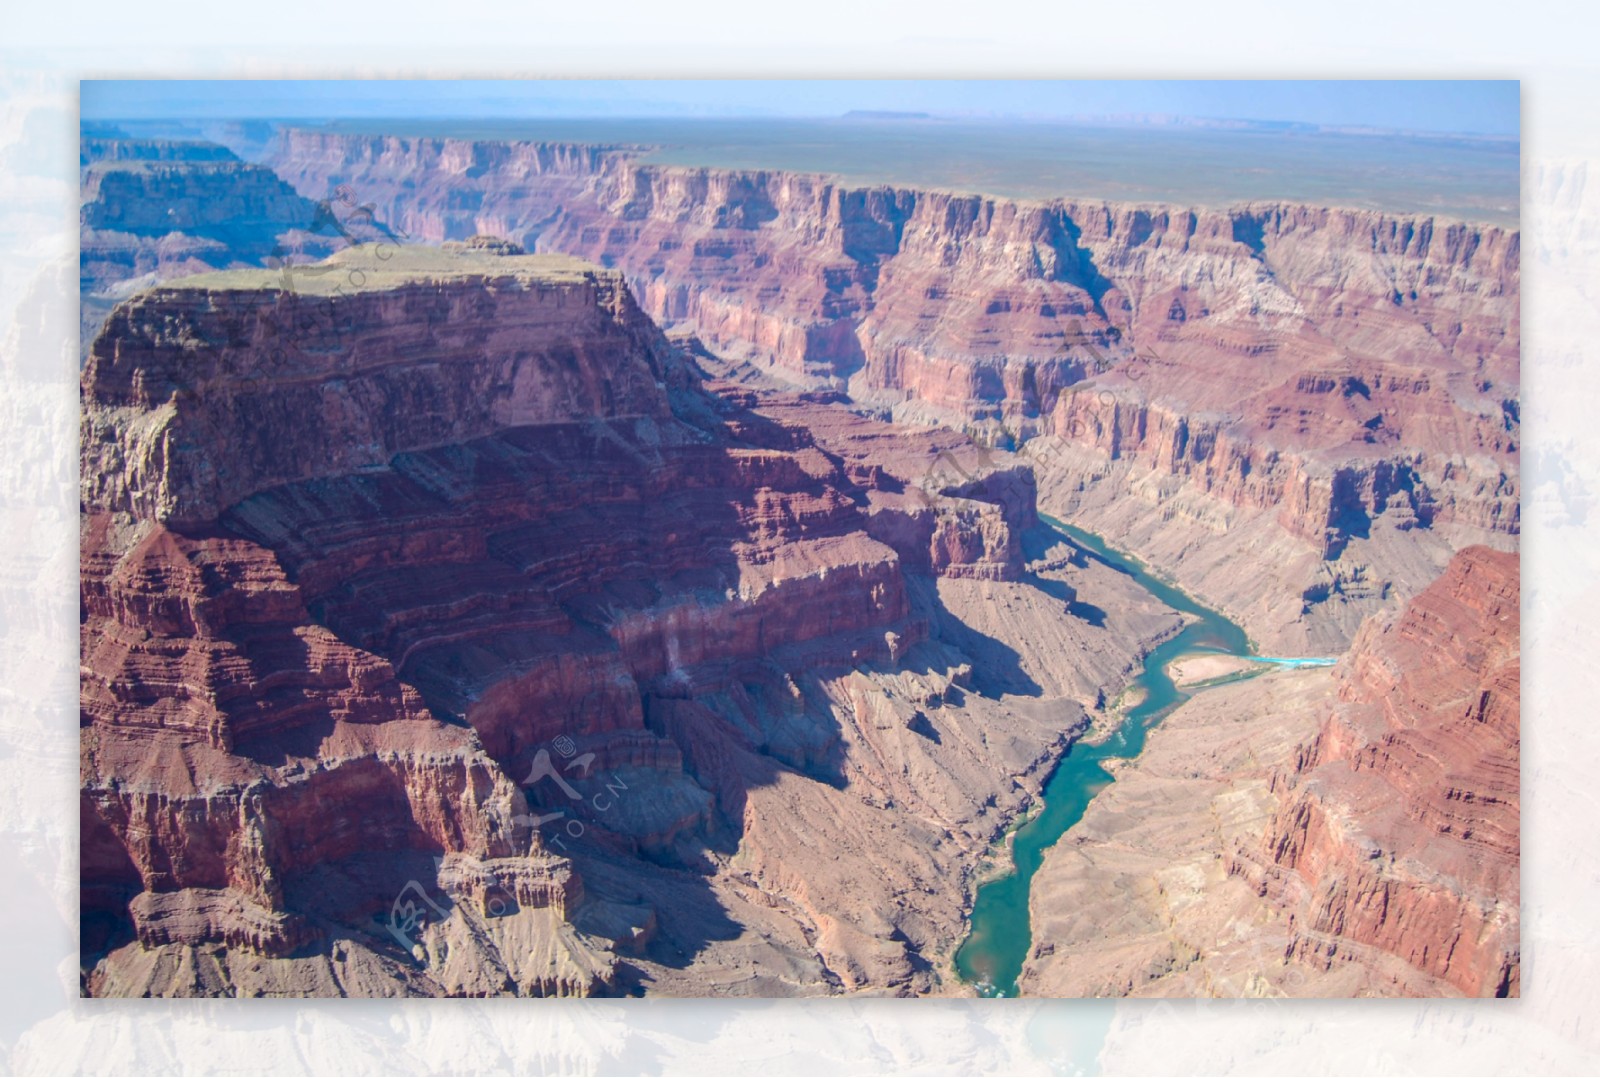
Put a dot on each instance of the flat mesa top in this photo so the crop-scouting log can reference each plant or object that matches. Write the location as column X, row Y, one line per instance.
column 377, row 267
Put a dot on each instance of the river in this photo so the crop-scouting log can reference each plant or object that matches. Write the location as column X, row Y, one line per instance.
column 1000, row 935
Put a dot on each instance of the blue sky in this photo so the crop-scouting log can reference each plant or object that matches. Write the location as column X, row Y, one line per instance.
column 1482, row 107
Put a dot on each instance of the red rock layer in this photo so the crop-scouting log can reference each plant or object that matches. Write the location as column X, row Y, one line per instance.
column 1399, row 826
column 992, row 312
column 694, row 556
column 157, row 209
column 1346, row 365
column 947, row 507
column 232, row 748
column 336, row 608
column 270, row 385
column 1321, row 504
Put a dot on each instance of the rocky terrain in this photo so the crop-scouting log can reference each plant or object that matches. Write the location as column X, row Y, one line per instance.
column 156, row 209
column 1316, row 832
column 1330, row 392
column 447, row 629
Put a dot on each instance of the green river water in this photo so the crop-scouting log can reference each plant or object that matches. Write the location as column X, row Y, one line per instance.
column 1000, row 934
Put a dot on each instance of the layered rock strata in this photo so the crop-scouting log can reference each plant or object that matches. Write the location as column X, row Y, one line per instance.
column 1399, row 829
column 445, row 632
column 1334, row 832
column 157, row 209
column 1343, row 381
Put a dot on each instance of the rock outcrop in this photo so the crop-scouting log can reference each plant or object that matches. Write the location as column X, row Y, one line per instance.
column 447, row 631
column 155, row 209
column 1400, row 826
column 1349, row 831
column 216, row 387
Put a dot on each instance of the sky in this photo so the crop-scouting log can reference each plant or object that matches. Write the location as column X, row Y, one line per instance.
column 1477, row 107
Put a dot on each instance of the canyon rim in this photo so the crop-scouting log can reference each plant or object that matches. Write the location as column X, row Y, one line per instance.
column 545, row 559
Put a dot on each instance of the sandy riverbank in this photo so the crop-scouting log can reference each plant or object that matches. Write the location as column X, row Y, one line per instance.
column 1193, row 669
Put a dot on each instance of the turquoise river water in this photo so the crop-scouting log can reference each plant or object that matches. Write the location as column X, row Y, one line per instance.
column 1000, row 935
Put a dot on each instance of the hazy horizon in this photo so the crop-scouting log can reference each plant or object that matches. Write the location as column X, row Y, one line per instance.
column 1488, row 108
column 1475, row 179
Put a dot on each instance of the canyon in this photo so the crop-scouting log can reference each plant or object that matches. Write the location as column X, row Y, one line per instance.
column 497, row 628
column 667, row 610
column 1366, row 426
column 1347, row 831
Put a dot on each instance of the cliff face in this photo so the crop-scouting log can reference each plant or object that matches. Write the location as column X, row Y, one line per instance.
column 1336, row 832
column 240, row 766
column 154, row 209
column 447, row 629
column 441, row 189
column 151, row 206
column 459, row 648
column 254, row 784
column 226, row 387
column 1400, row 824
column 1347, row 372
column 213, row 198
column 93, row 149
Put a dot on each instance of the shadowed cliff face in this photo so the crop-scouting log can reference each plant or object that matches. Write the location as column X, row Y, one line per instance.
column 444, row 634
column 1345, row 376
